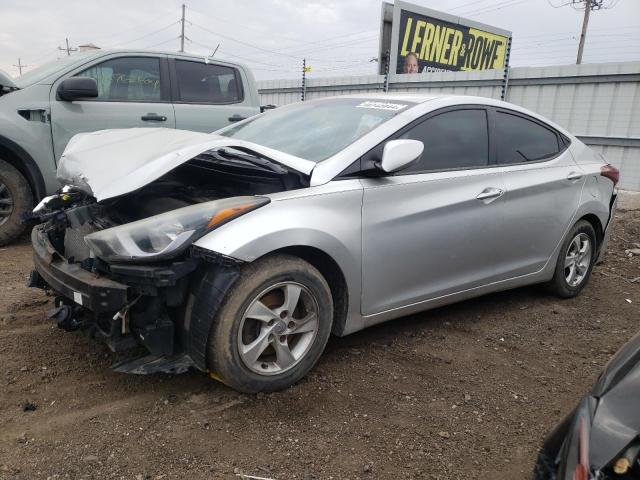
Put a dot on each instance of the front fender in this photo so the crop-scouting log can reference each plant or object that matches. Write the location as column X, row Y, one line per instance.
column 326, row 217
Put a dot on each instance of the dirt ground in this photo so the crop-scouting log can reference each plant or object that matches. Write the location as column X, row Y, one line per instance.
column 466, row 391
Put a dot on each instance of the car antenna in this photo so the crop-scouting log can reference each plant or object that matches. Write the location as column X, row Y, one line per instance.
column 206, row 59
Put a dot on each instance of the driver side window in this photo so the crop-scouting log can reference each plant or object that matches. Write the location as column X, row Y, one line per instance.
column 127, row 79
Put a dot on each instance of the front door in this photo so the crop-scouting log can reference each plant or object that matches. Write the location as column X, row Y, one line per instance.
column 433, row 229
column 132, row 92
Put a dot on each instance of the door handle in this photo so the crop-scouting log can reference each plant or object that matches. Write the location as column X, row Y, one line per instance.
column 236, row 118
column 574, row 176
column 490, row 193
column 153, row 117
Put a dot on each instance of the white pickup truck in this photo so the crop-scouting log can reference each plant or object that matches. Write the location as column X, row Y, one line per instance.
column 87, row 91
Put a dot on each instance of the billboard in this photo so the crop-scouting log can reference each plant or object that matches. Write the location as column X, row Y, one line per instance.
column 424, row 40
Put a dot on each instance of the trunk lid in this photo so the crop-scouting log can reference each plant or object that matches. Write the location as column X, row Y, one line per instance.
column 110, row 163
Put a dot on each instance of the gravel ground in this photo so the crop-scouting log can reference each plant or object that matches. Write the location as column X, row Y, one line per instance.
column 466, row 391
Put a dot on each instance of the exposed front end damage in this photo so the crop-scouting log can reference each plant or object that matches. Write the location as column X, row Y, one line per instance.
column 132, row 306
column 141, row 301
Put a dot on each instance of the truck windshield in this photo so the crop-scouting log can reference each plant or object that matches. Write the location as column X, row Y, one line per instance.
column 318, row 129
column 43, row 71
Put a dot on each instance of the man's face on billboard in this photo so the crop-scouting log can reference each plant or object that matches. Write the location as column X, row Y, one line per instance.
column 410, row 64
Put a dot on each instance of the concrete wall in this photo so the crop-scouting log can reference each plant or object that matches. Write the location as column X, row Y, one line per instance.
column 600, row 103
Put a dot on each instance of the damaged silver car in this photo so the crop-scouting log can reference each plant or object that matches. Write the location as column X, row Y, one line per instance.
column 238, row 253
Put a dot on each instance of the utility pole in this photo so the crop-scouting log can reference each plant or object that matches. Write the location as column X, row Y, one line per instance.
column 588, row 6
column 304, row 78
column 68, row 49
column 20, row 66
column 583, row 35
column 182, row 31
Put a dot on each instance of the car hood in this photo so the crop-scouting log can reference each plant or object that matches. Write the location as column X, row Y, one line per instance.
column 110, row 163
column 6, row 80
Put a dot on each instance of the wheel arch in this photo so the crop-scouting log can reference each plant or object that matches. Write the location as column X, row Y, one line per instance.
column 332, row 273
column 597, row 226
column 16, row 156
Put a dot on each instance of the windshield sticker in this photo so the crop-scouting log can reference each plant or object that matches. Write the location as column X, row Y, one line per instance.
column 382, row 106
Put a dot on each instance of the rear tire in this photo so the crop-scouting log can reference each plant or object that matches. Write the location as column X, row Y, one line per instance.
column 272, row 327
column 16, row 199
column 575, row 261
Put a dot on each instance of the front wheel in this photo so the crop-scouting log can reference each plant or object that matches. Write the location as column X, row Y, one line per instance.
column 272, row 326
column 16, row 199
column 575, row 262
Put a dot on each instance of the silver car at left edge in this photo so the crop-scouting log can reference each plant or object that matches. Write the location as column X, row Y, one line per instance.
column 239, row 252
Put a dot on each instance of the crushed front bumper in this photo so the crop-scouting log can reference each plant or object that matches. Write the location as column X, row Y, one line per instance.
column 125, row 309
column 89, row 290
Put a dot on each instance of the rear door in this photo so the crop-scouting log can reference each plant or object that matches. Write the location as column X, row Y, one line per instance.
column 543, row 188
column 133, row 91
column 208, row 96
column 432, row 229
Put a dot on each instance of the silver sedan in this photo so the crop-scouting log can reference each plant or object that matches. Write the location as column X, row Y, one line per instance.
column 239, row 252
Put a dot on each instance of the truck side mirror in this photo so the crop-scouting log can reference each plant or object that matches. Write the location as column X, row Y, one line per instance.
column 76, row 88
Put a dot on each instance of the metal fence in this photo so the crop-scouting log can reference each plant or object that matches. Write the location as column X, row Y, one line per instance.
column 600, row 103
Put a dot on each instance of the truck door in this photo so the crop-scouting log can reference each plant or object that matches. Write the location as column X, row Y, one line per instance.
column 208, row 96
column 133, row 91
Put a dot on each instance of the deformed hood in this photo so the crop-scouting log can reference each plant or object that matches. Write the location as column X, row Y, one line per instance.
column 109, row 163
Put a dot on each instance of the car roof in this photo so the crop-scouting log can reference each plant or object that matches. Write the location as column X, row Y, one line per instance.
column 102, row 52
column 444, row 100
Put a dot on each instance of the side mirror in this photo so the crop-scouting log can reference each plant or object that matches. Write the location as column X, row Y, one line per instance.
column 398, row 154
column 75, row 88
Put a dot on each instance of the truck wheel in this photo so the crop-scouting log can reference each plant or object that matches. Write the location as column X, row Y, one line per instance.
column 272, row 326
column 15, row 200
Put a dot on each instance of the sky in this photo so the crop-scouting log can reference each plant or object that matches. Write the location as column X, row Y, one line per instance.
column 337, row 37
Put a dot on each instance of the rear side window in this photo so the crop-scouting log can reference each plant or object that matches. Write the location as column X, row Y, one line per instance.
column 452, row 140
column 521, row 140
column 207, row 83
column 127, row 79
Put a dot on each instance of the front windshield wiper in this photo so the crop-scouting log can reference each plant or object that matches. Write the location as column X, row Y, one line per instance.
column 252, row 157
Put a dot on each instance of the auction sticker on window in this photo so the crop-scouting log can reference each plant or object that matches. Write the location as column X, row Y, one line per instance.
column 382, row 106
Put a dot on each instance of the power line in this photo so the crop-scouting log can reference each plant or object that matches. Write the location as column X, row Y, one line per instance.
column 145, row 35
column 492, row 8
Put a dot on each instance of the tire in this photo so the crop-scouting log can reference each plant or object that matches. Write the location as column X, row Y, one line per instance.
column 16, row 199
column 241, row 322
column 563, row 284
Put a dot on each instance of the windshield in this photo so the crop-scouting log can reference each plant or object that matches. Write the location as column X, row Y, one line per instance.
column 319, row 129
column 43, row 71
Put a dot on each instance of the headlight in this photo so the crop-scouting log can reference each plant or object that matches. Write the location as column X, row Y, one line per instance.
column 169, row 233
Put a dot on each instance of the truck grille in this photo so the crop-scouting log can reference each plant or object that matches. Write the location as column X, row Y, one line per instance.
column 74, row 247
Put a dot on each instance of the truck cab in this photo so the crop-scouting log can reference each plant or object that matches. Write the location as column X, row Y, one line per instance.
column 104, row 89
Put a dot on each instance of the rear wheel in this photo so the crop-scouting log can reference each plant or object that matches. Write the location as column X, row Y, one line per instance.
column 575, row 262
column 272, row 327
column 16, row 199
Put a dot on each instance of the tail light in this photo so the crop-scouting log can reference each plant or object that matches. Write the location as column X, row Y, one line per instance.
column 611, row 172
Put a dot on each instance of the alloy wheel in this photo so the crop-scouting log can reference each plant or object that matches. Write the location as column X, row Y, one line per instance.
column 278, row 328
column 6, row 203
column 577, row 260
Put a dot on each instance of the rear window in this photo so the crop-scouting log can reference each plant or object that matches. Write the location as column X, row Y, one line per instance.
column 316, row 130
column 521, row 140
column 207, row 83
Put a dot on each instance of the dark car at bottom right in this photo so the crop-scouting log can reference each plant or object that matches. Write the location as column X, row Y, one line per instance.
column 600, row 438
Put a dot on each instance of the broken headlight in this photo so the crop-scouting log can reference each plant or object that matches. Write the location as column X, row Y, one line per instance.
column 169, row 233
